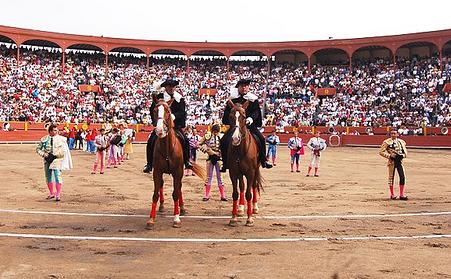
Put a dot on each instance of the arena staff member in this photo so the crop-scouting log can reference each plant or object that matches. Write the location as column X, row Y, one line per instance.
column 272, row 140
column 296, row 147
column 210, row 144
column 394, row 149
column 55, row 151
column 316, row 144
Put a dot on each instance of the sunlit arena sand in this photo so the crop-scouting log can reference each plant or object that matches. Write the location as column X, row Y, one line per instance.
column 307, row 227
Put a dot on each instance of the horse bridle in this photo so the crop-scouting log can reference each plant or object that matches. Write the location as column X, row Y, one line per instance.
column 161, row 117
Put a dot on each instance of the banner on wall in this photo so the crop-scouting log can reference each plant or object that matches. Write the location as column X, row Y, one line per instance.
column 325, row 91
column 208, row 91
column 89, row 88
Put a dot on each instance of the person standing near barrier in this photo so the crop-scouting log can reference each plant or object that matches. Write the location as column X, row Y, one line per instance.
column 272, row 140
column 316, row 145
column 193, row 139
column 101, row 144
column 128, row 148
column 72, row 133
column 114, row 140
column 54, row 150
column 394, row 149
column 296, row 147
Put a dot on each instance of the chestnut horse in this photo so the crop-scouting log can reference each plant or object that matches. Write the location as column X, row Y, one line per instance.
column 243, row 162
column 168, row 158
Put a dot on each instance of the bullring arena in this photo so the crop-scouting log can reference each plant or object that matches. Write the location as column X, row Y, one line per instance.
column 341, row 224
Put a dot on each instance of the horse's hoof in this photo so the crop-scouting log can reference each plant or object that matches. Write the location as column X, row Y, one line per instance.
column 250, row 222
column 177, row 224
column 150, row 225
column 233, row 222
column 161, row 208
column 183, row 212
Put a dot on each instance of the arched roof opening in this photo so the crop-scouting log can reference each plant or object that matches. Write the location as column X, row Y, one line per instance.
column 6, row 39
column 127, row 50
column 169, row 57
column 41, row 43
column 446, row 50
column 169, row 52
column 211, row 58
column 84, row 47
column 371, row 54
column 127, row 55
column 330, row 57
column 79, row 53
column 418, row 50
column 7, row 46
column 40, row 49
column 246, row 55
column 289, row 56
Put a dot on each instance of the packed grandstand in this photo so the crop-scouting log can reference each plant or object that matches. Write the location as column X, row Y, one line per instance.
column 377, row 88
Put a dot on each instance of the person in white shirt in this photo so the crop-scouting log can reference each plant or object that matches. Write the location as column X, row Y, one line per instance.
column 55, row 152
column 296, row 147
column 316, row 145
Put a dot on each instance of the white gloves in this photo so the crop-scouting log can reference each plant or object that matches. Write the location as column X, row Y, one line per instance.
column 172, row 116
column 249, row 121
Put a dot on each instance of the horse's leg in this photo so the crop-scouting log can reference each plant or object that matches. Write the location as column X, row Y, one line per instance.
column 233, row 222
column 175, row 197
column 161, row 207
column 254, row 200
column 158, row 184
column 241, row 205
column 250, row 179
column 182, row 204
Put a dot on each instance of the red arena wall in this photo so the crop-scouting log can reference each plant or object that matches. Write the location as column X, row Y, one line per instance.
column 434, row 138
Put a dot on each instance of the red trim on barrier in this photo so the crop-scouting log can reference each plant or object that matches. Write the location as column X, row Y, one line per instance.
column 417, row 141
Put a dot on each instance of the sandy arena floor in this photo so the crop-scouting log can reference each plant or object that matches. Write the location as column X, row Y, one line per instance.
column 352, row 182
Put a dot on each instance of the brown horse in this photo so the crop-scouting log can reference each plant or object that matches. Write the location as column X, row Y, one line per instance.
column 168, row 158
column 243, row 162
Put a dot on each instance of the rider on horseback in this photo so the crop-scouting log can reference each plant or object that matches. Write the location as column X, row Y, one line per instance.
column 253, row 121
column 178, row 115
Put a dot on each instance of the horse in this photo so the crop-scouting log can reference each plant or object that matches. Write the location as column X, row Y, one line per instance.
column 243, row 162
column 168, row 158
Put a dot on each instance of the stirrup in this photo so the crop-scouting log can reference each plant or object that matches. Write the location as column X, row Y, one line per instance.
column 147, row 168
column 188, row 165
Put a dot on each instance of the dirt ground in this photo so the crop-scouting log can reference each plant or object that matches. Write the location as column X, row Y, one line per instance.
column 352, row 181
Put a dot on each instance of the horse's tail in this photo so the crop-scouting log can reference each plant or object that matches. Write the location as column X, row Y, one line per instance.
column 259, row 180
column 199, row 171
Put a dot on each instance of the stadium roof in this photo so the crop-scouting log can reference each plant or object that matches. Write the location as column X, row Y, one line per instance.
column 20, row 36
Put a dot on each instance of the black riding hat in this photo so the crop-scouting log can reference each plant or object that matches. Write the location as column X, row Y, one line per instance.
column 243, row 82
column 170, row 82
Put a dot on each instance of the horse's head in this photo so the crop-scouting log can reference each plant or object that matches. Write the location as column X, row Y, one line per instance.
column 162, row 112
column 237, row 121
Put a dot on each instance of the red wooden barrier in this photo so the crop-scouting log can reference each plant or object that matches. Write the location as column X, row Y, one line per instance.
column 36, row 131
